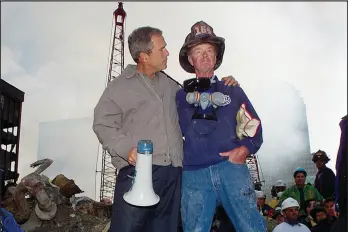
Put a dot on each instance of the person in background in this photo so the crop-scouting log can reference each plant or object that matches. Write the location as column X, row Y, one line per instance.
column 278, row 216
column 307, row 219
column 275, row 219
column 321, row 219
column 330, row 209
column 140, row 104
column 290, row 210
column 265, row 210
column 262, row 207
column 301, row 191
column 276, row 192
column 325, row 178
column 271, row 224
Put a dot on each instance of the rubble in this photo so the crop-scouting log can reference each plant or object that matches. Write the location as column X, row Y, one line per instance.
column 41, row 206
column 67, row 188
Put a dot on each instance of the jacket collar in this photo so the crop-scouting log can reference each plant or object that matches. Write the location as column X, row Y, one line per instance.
column 131, row 71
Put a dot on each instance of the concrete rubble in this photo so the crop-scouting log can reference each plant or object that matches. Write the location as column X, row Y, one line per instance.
column 39, row 205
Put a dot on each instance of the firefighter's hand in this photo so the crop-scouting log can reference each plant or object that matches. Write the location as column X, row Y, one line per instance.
column 132, row 156
column 237, row 155
column 229, row 80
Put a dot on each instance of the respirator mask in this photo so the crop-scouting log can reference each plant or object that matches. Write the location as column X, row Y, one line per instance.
column 206, row 101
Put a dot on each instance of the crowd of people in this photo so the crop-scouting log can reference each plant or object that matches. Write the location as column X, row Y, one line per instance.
column 202, row 133
column 301, row 205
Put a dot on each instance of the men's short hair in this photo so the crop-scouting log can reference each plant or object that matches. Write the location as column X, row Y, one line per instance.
column 307, row 203
column 140, row 41
column 316, row 210
column 329, row 199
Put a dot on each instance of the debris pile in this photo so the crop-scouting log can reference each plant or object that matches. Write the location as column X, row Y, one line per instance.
column 39, row 205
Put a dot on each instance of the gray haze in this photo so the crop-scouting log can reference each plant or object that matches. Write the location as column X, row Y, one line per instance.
column 285, row 131
column 72, row 145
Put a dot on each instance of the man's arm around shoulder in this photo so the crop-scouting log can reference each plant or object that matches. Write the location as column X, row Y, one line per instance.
column 108, row 125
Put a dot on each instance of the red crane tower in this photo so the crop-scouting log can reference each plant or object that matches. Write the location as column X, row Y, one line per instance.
column 253, row 167
column 116, row 66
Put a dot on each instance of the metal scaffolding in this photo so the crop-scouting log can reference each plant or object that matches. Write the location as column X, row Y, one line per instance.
column 116, row 66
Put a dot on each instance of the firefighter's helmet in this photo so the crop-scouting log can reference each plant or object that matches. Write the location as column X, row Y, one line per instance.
column 320, row 155
column 201, row 32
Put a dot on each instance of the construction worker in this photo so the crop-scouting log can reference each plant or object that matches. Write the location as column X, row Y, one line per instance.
column 301, row 191
column 325, row 178
column 221, row 128
column 263, row 208
column 290, row 211
column 140, row 104
column 277, row 191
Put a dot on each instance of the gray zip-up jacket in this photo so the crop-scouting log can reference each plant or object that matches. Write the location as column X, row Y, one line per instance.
column 131, row 109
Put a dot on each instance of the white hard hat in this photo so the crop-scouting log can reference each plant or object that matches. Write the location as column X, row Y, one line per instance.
column 280, row 183
column 288, row 203
column 260, row 194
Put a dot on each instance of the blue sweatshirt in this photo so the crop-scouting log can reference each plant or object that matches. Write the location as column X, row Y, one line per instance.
column 202, row 150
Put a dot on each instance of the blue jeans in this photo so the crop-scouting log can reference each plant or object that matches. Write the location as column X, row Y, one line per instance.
column 226, row 183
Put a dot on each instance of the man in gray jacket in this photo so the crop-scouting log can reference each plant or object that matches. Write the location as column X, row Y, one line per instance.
column 140, row 104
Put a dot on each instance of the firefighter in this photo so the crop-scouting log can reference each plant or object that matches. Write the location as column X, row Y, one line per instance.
column 325, row 178
column 209, row 151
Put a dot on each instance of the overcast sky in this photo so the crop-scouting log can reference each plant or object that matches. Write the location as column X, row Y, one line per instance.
column 57, row 53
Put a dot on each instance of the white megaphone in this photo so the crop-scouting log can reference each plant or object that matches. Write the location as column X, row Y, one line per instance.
column 141, row 192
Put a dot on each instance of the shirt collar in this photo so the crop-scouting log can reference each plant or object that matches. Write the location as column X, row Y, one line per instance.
column 213, row 79
column 131, row 70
